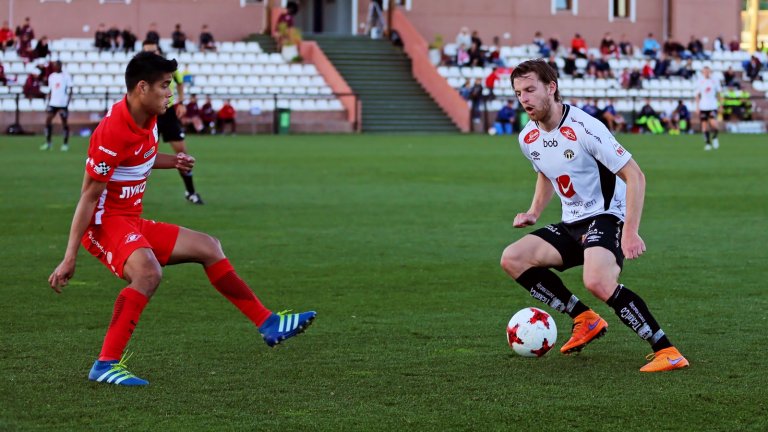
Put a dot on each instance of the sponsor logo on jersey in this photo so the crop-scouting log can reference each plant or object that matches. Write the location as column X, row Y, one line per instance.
column 130, row 191
column 136, row 153
column 568, row 133
column 565, row 185
column 532, row 136
column 550, row 143
column 107, row 151
column 569, row 154
column 149, row 152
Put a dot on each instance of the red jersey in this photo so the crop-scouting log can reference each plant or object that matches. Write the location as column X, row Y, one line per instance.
column 121, row 154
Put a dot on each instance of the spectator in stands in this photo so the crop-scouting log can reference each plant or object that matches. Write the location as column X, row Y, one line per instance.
column 649, row 118
column 625, row 46
column 734, row 44
column 100, row 38
column 226, row 116
column 634, row 79
column 569, row 66
column 3, row 78
column 113, row 36
column 7, row 38
column 208, row 114
column 462, row 56
column 128, row 40
column 590, row 107
column 729, row 77
column 493, row 54
column 32, row 89
column 476, row 39
column 603, row 68
column 464, row 38
column 680, row 120
column 179, row 39
column 674, row 48
column 624, row 78
column 554, row 43
column 579, row 46
column 661, row 69
column 490, row 82
column 466, row 89
column 591, row 67
column 505, row 119
column 206, row 40
column 41, row 49
column 752, row 68
column 153, row 37
column 675, row 66
column 647, row 72
column 552, row 62
column 544, row 48
column 651, row 46
column 612, row 120
column 476, row 56
column 687, row 71
column 192, row 116
column 475, row 98
column 608, row 46
column 25, row 34
column 718, row 44
column 696, row 49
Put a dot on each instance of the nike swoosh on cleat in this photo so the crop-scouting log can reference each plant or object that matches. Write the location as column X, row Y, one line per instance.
column 673, row 362
column 593, row 325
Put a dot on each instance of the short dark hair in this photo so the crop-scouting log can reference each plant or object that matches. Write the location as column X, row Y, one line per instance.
column 149, row 67
column 543, row 71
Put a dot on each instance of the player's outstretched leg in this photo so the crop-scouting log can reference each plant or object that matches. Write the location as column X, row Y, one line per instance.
column 274, row 327
column 634, row 313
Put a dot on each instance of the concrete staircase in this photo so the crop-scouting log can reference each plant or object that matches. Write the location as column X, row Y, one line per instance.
column 267, row 44
column 380, row 73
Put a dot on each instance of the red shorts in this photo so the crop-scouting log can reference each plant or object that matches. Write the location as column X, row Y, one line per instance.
column 118, row 237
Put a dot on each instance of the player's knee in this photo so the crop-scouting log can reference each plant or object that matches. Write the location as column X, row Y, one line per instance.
column 513, row 261
column 212, row 248
column 600, row 286
column 148, row 280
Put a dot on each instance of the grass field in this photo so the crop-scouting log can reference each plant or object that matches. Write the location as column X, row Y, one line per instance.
column 395, row 241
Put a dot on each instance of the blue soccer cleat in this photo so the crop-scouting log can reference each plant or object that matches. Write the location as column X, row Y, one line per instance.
column 115, row 372
column 283, row 325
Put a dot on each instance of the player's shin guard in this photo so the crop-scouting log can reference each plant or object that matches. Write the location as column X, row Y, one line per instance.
column 125, row 316
column 223, row 277
column 188, row 183
column 546, row 287
column 634, row 313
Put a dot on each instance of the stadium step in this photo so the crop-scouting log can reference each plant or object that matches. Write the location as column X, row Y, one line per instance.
column 266, row 42
column 392, row 100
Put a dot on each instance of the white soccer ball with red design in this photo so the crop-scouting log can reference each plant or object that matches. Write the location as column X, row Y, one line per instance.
column 531, row 332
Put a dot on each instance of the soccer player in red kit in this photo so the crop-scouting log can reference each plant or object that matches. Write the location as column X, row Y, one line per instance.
column 108, row 223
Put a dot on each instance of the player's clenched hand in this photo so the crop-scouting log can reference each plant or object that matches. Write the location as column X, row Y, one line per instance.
column 632, row 245
column 61, row 276
column 180, row 110
column 524, row 219
column 184, row 162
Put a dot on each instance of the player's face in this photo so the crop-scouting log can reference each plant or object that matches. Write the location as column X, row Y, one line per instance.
column 155, row 96
column 535, row 97
column 706, row 72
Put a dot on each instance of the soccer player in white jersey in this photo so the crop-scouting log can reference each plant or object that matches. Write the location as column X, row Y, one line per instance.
column 60, row 94
column 707, row 92
column 601, row 189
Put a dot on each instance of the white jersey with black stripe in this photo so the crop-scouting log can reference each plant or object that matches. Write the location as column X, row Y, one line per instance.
column 581, row 158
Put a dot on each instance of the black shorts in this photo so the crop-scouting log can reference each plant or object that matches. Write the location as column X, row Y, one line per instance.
column 708, row 114
column 572, row 239
column 63, row 111
column 169, row 126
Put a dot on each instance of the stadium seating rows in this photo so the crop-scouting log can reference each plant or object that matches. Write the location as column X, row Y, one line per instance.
column 239, row 70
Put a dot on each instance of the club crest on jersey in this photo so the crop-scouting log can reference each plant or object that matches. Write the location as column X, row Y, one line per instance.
column 568, row 133
column 569, row 154
column 565, row 185
column 132, row 237
column 531, row 136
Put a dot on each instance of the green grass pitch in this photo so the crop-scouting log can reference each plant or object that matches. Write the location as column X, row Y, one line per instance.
column 395, row 241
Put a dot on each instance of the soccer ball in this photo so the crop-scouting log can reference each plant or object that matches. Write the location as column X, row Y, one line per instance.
column 531, row 332
column 491, row 131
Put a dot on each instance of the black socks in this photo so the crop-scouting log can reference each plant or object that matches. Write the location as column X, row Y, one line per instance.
column 546, row 287
column 633, row 312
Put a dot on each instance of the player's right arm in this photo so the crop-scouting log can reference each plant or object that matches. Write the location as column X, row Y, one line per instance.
column 89, row 196
column 542, row 195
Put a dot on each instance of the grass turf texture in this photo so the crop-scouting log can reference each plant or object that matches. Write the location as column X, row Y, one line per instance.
column 395, row 241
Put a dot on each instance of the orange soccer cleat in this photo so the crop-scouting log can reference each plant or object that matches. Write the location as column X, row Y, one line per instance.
column 666, row 359
column 587, row 326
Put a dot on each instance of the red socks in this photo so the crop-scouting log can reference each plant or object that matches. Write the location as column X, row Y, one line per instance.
column 125, row 316
column 222, row 275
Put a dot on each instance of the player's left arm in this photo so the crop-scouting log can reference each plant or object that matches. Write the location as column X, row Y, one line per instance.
column 631, row 244
column 180, row 161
